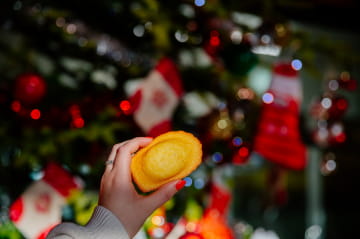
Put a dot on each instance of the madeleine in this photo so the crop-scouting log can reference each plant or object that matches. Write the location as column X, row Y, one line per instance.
column 170, row 156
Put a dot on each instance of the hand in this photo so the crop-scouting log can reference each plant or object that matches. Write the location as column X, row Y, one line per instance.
column 117, row 192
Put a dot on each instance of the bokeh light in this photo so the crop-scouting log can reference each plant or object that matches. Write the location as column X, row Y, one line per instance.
column 296, row 64
column 236, row 36
column 78, row 122
column 199, row 3
column 16, row 106
column 243, row 152
column 139, row 30
column 188, row 181
column 313, row 232
column 237, row 141
column 217, row 157
column 125, row 106
column 199, row 183
column 326, row 103
column 268, row 98
column 35, row 114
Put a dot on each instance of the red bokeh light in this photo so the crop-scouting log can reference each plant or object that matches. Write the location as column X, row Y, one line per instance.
column 243, row 152
column 35, row 114
column 78, row 122
column 125, row 106
column 16, row 106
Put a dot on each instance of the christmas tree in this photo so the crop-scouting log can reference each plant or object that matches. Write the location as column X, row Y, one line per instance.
column 271, row 97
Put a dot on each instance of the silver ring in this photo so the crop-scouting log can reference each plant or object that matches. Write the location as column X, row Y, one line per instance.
column 107, row 162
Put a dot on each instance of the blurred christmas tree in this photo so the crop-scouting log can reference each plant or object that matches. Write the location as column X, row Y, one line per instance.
column 78, row 77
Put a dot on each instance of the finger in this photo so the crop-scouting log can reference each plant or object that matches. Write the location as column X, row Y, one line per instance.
column 163, row 194
column 124, row 155
column 109, row 163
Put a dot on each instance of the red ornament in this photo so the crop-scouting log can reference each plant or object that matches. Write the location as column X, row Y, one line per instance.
column 278, row 138
column 30, row 88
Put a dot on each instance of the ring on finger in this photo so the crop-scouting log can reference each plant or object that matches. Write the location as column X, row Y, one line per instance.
column 108, row 162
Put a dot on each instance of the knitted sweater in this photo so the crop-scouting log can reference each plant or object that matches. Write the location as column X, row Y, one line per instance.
column 103, row 224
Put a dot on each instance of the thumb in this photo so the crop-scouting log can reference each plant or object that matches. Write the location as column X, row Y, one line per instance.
column 163, row 194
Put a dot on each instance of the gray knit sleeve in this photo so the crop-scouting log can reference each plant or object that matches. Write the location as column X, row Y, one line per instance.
column 103, row 224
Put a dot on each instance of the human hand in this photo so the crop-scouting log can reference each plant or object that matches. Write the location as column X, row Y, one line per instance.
column 118, row 194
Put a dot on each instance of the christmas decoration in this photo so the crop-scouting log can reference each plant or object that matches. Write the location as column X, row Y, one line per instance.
column 220, row 199
column 261, row 233
column 346, row 81
column 239, row 58
column 188, row 223
column 224, row 52
column 157, row 225
column 328, row 111
column 157, row 97
column 39, row 208
column 221, row 126
column 191, row 235
column 214, row 223
column 278, row 136
column 213, row 226
column 30, row 88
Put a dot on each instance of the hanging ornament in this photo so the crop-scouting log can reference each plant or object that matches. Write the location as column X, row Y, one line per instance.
column 278, row 135
column 156, row 98
column 241, row 155
column 30, row 88
column 238, row 58
column 222, row 126
column 39, row 208
column 328, row 112
column 214, row 224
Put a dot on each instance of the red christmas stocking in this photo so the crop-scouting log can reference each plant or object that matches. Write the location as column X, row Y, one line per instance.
column 214, row 223
column 278, row 137
column 39, row 208
column 157, row 97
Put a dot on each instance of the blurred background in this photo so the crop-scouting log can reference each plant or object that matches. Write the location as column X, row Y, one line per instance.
column 270, row 87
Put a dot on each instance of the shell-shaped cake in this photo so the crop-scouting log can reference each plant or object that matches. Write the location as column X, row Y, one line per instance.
column 170, row 156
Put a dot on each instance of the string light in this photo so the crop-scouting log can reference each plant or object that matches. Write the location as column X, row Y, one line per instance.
column 188, row 181
column 268, row 98
column 214, row 38
column 326, row 103
column 243, row 152
column 139, row 30
column 16, row 106
column 217, row 157
column 296, row 64
column 35, row 114
column 78, row 122
column 199, row 3
column 125, row 106
column 237, row 141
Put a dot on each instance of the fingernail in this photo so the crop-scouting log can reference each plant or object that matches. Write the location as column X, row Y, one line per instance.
column 180, row 185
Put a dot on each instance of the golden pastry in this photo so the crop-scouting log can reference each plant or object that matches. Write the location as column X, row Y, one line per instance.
column 170, row 156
